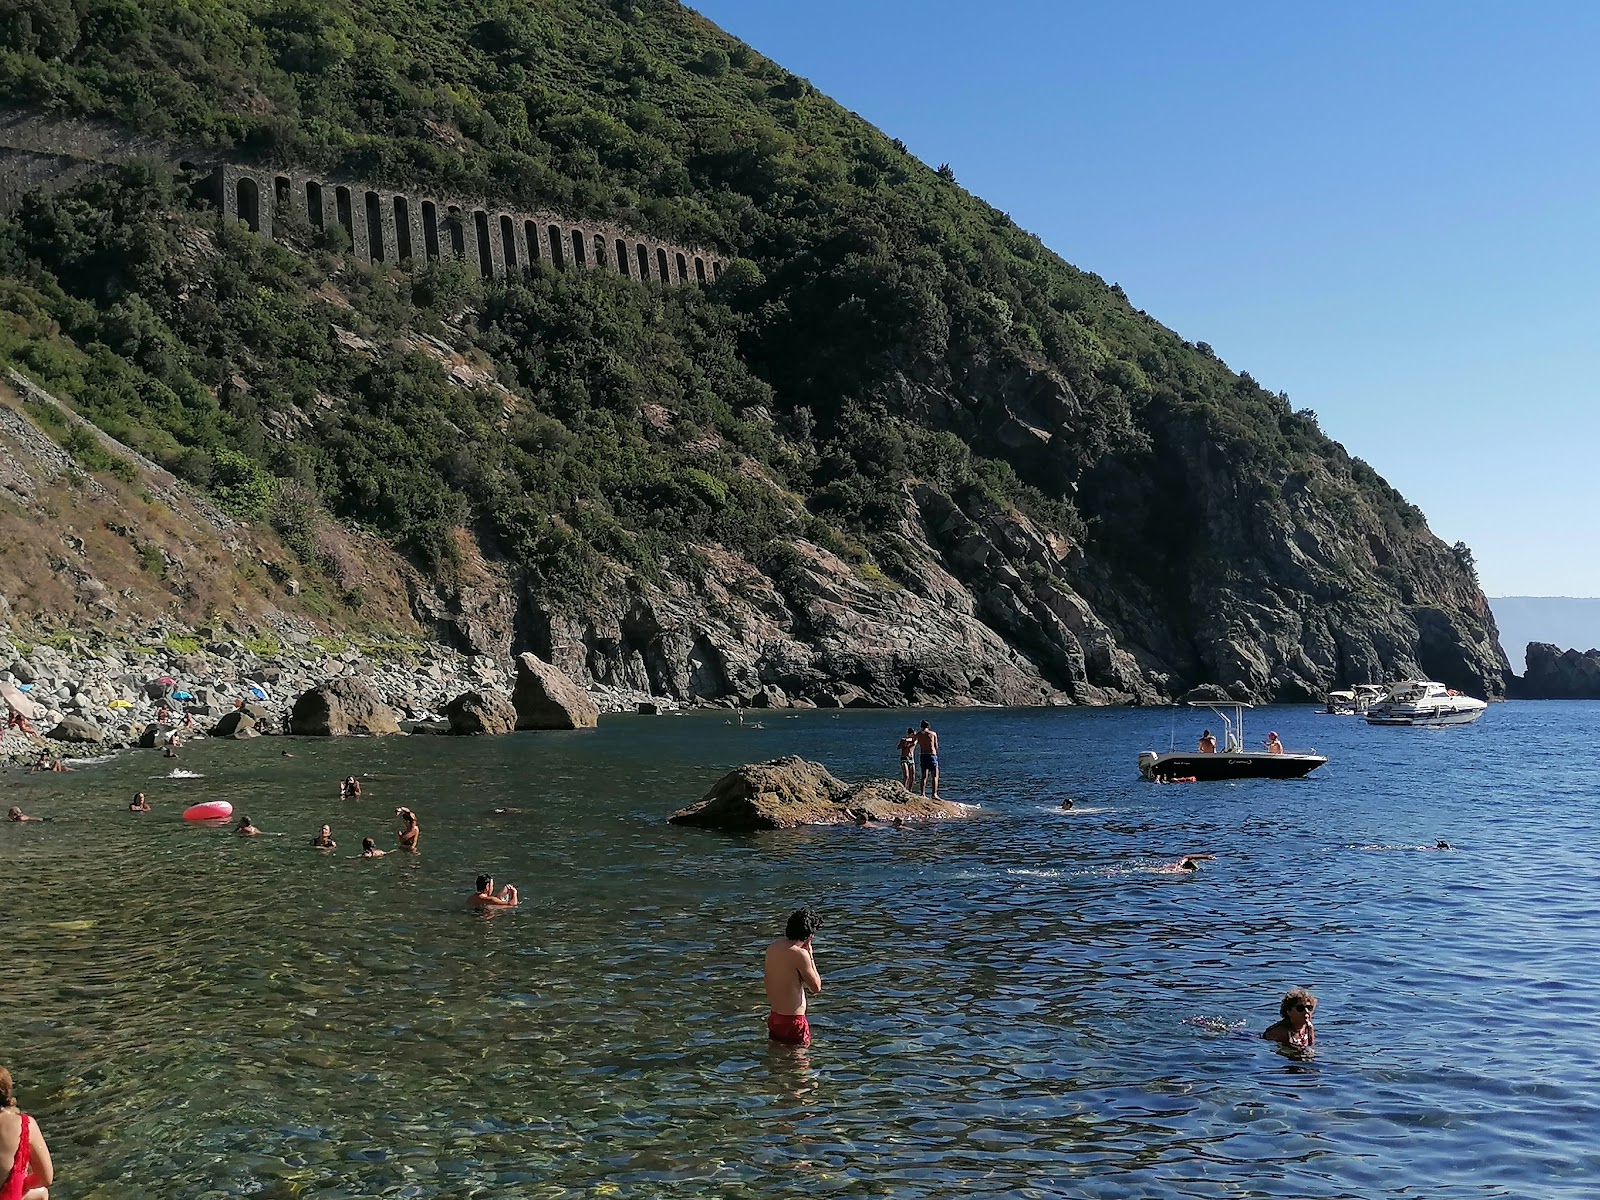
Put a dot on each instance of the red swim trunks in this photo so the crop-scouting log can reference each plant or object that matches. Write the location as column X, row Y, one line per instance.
column 793, row 1030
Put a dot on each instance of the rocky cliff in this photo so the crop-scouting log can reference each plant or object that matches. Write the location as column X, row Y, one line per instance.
column 1556, row 674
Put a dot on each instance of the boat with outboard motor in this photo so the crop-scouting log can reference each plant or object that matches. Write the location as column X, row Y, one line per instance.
column 1422, row 702
column 1232, row 761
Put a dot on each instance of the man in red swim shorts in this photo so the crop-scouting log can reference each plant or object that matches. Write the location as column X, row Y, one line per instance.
column 791, row 973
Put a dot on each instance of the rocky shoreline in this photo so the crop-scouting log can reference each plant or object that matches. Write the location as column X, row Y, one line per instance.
column 100, row 693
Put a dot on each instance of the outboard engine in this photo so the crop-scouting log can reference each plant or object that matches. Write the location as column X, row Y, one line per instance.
column 1147, row 762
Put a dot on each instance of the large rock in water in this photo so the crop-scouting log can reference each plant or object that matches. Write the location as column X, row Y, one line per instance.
column 1556, row 674
column 237, row 724
column 341, row 707
column 480, row 712
column 547, row 698
column 76, row 729
column 788, row 792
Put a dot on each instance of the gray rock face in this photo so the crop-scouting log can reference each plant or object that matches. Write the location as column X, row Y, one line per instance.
column 473, row 713
column 76, row 729
column 547, row 698
column 237, row 724
column 789, row 792
column 1556, row 674
column 342, row 707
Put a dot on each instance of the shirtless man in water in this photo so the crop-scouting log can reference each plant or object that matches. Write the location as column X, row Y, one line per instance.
column 487, row 897
column 791, row 972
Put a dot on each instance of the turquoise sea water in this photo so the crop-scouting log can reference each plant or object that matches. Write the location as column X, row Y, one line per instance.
column 1015, row 1005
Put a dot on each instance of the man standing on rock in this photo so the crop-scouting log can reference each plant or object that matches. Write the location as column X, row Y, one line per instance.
column 907, row 745
column 928, row 754
column 791, row 972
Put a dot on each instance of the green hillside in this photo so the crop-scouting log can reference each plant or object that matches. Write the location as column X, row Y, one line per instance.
column 878, row 322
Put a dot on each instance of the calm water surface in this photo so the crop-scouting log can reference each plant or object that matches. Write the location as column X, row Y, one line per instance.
column 1016, row 1005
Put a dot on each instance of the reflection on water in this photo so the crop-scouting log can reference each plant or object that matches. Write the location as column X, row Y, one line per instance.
column 1016, row 1005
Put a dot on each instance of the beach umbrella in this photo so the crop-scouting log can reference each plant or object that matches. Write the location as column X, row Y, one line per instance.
column 182, row 696
column 257, row 693
column 120, row 704
column 20, row 704
column 167, row 679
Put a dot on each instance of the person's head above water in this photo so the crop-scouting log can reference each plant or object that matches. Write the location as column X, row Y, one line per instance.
column 368, row 844
column 1297, row 1000
column 14, row 813
column 485, row 882
column 802, row 924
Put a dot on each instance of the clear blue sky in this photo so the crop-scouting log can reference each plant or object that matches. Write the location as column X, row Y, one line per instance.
column 1390, row 211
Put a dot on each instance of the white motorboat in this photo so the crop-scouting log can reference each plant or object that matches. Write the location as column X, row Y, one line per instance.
column 1355, row 701
column 1421, row 702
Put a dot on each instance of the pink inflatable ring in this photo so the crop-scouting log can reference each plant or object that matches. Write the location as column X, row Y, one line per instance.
column 212, row 810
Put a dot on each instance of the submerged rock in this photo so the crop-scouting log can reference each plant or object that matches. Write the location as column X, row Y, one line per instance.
column 480, row 713
column 341, row 707
column 788, row 792
column 547, row 698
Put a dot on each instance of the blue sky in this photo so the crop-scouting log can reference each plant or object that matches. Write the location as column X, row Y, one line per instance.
column 1389, row 211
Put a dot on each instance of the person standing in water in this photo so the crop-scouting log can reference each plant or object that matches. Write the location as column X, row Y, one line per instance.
column 410, row 832
column 928, row 754
column 324, row 839
column 791, row 972
column 1293, row 1028
column 138, row 804
column 245, row 829
column 28, row 1171
column 487, row 897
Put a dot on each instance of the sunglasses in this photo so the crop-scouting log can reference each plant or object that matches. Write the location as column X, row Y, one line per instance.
column 1304, row 1007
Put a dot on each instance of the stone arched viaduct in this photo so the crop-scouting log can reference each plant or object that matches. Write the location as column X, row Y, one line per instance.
column 389, row 226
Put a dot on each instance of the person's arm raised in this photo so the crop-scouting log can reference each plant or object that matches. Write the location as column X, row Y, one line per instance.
column 809, row 976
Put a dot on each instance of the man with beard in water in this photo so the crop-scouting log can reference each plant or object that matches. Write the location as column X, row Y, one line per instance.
column 791, row 972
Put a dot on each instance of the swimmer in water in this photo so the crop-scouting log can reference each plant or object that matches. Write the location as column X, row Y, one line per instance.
column 138, row 804
column 16, row 814
column 369, row 849
column 324, row 839
column 1067, row 804
column 245, row 829
column 1293, row 1028
column 1441, row 844
column 410, row 833
column 1187, row 864
column 487, row 897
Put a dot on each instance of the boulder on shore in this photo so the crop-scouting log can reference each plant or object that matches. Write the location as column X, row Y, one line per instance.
column 788, row 792
column 76, row 729
column 154, row 736
column 342, row 707
column 237, row 724
column 547, row 698
column 473, row 713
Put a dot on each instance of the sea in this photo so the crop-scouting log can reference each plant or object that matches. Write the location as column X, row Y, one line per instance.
column 1019, row 1004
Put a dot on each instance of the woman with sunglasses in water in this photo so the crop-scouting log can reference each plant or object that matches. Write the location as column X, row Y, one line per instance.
column 1294, row 1027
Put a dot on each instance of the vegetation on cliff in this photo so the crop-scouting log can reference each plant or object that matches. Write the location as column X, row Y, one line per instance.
column 872, row 312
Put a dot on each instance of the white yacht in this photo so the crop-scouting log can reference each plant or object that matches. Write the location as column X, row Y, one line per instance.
column 1354, row 702
column 1419, row 702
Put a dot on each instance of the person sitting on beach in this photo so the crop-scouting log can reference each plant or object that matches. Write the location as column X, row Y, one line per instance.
column 350, row 789
column 245, row 829
column 16, row 814
column 138, row 804
column 28, row 1170
column 487, row 897
column 324, row 839
column 1274, row 746
column 1293, row 1028
column 369, row 849
column 410, row 833
column 1208, row 743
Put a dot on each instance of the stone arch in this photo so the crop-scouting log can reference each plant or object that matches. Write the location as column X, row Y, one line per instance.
column 402, row 228
column 580, row 253
column 699, row 269
column 247, row 202
column 480, row 226
column 458, row 233
column 558, row 256
column 683, row 268
column 282, row 193
column 622, row 258
column 508, row 244
column 643, row 256
column 314, row 203
column 663, row 271
column 374, row 216
column 530, row 230
column 600, row 251
column 430, row 229
column 716, row 268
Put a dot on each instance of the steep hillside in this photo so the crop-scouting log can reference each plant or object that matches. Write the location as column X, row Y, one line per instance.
column 897, row 451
